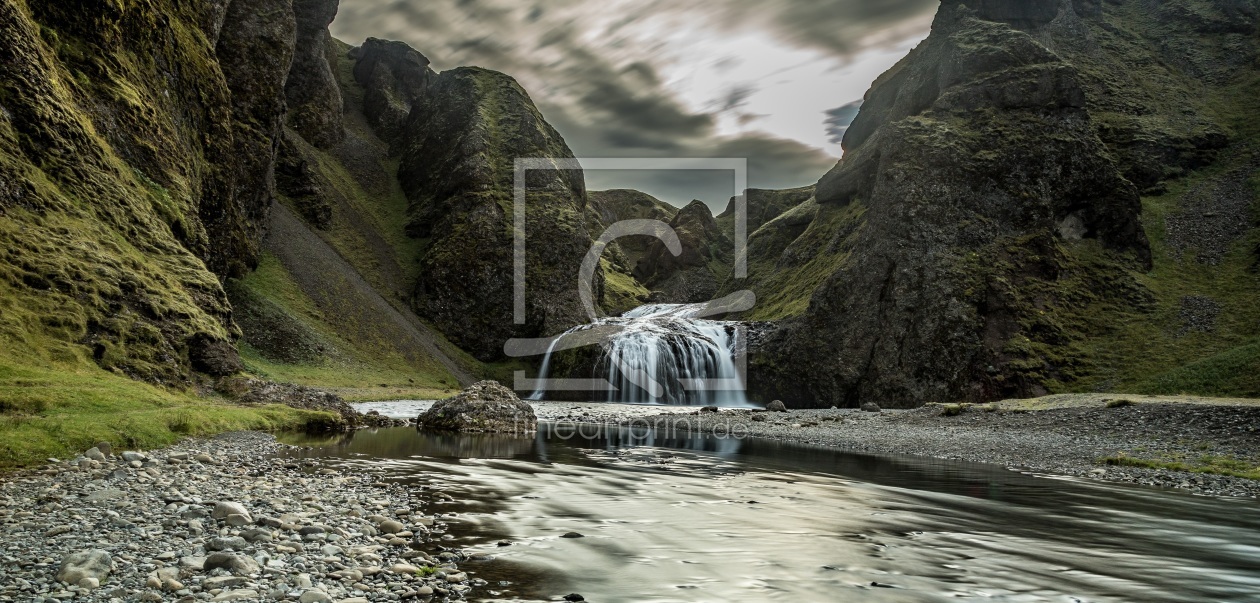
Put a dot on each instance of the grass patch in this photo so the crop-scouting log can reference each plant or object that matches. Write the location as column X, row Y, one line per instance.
column 357, row 369
column 1120, row 403
column 621, row 291
column 1212, row 464
column 60, row 411
column 952, row 410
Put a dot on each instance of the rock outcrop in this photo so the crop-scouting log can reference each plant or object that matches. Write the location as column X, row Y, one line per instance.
column 457, row 169
column 984, row 203
column 314, row 98
column 694, row 275
column 486, row 406
column 394, row 76
column 136, row 156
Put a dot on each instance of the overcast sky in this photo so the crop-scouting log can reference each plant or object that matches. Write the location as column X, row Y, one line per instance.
column 774, row 81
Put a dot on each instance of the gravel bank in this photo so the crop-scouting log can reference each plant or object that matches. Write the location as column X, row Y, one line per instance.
column 217, row 520
column 1068, row 441
column 1066, row 434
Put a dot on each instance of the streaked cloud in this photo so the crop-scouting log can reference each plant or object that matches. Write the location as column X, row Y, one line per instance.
column 660, row 78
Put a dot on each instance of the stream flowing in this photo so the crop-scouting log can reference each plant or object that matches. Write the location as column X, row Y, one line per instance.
column 685, row 517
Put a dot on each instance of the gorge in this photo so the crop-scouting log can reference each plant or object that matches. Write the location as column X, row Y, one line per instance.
column 990, row 332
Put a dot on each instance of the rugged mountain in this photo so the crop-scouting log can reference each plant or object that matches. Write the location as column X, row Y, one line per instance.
column 763, row 205
column 135, row 165
column 984, row 234
column 458, row 151
column 143, row 148
column 609, row 207
column 695, row 274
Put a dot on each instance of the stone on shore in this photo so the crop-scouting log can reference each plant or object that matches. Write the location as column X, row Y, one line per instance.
column 237, row 564
column 776, row 406
column 483, row 407
column 224, row 509
column 93, row 564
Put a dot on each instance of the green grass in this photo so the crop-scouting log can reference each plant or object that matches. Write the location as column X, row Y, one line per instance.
column 784, row 291
column 621, row 291
column 357, row 370
column 60, row 410
column 1148, row 352
column 1235, row 372
column 1213, row 464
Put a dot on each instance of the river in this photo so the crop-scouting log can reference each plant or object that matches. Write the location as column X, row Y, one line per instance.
column 680, row 517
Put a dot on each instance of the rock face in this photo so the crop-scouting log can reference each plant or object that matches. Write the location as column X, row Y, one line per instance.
column 606, row 208
column 486, row 406
column 254, row 51
column 694, row 275
column 458, row 149
column 394, row 76
column 977, row 171
column 175, row 153
column 313, row 96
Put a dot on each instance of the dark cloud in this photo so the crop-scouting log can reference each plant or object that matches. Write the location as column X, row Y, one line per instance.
column 839, row 119
column 603, row 90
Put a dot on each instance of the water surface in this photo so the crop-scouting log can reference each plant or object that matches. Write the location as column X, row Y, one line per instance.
column 669, row 517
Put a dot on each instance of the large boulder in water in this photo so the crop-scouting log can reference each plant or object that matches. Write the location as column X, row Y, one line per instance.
column 485, row 406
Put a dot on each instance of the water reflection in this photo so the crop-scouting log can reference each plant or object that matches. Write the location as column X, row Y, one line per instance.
column 669, row 517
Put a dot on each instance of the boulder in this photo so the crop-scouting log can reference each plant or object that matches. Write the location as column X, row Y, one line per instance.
column 85, row 565
column 776, row 406
column 870, row 407
column 486, row 406
column 224, row 509
column 237, row 564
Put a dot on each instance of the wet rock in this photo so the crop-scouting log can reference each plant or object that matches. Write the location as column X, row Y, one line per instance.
column 776, row 406
column 486, row 407
column 870, row 407
column 572, row 535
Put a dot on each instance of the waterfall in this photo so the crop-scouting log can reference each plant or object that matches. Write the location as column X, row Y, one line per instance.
column 664, row 354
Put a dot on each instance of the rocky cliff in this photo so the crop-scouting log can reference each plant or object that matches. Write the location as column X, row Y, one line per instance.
column 142, row 150
column 135, row 165
column 458, row 150
column 984, row 230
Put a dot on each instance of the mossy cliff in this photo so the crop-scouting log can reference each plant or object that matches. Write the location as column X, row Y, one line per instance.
column 135, row 166
column 984, row 235
column 458, row 149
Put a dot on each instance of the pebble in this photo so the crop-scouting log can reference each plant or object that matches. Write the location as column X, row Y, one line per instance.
column 114, row 529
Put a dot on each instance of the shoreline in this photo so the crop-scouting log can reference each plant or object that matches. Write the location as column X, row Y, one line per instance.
column 1065, row 435
column 1114, row 444
column 219, row 519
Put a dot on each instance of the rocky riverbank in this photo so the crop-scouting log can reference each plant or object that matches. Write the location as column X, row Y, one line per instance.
column 1112, row 438
column 1115, row 439
column 218, row 520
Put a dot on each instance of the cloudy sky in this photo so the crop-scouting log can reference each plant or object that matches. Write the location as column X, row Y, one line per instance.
column 774, row 81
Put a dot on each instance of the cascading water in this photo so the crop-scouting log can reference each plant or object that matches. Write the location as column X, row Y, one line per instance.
column 664, row 354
